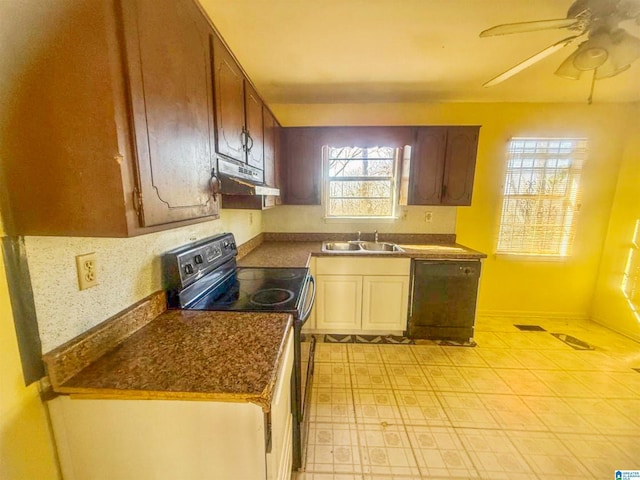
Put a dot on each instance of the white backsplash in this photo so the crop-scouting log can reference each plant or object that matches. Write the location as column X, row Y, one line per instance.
column 128, row 270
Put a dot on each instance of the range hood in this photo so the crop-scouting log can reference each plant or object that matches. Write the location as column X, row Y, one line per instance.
column 240, row 179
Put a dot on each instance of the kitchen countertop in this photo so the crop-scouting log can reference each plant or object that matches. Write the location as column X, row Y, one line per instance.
column 298, row 254
column 281, row 254
column 199, row 355
column 191, row 355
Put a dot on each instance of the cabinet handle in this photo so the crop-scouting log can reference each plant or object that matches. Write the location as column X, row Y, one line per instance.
column 243, row 139
column 214, row 185
column 249, row 138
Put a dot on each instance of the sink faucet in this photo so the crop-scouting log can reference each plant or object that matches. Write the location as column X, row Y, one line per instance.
column 375, row 236
column 358, row 236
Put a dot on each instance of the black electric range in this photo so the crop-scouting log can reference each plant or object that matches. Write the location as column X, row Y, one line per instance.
column 204, row 275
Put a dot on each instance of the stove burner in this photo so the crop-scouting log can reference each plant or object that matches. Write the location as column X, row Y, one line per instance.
column 271, row 297
column 259, row 274
column 250, row 274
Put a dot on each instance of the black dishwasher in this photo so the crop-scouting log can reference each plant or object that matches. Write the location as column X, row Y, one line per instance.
column 443, row 299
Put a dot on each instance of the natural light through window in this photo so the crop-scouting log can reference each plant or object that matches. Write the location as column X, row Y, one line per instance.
column 631, row 276
column 360, row 182
column 541, row 196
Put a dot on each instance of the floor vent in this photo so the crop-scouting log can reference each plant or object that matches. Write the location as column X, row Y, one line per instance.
column 530, row 328
column 573, row 342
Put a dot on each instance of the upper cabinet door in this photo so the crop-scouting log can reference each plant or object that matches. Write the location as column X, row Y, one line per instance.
column 302, row 150
column 228, row 82
column 167, row 53
column 460, row 165
column 427, row 166
column 254, row 127
column 270, row 135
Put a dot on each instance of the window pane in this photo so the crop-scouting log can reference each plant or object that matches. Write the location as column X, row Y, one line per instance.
column 360, row 181
column 541, row 195
column 359, row 207
column 360, row 168
column 357, row 152
column 360, row 189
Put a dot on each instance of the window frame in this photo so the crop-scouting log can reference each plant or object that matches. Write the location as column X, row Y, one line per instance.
column 561, row 241
column 393, row 179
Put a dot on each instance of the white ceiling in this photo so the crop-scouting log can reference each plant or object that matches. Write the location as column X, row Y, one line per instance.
column 344, row 51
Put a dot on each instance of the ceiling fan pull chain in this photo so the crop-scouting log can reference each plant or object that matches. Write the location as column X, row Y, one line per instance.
column 593, row 86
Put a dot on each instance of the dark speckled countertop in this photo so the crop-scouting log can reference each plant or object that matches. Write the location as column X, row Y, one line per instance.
column 224, row 356
column 281, row 254
column 297, row 254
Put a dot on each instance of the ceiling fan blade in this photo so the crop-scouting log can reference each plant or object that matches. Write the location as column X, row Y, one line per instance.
column 530, row 61
column 522, row 27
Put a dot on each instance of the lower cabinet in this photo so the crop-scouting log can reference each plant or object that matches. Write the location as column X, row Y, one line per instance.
column 339, row 303
column 107, row 439
column 362, row 295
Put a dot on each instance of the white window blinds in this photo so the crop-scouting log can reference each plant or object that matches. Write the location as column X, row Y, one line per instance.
column 541, row 196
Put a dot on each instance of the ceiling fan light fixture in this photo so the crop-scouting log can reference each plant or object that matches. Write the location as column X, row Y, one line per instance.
column 610, row 69
column 590, row 58
column 568, row 70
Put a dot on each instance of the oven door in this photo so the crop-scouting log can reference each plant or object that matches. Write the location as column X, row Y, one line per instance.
column 307, row 346
column 303, row 372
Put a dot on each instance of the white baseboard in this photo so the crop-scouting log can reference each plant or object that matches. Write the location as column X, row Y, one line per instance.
column 532, row 314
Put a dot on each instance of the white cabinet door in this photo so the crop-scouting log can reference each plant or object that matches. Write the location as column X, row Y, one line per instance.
column 384, row 303
column 339, row 303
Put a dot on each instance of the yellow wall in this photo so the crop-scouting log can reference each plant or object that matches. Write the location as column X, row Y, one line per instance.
column 610, row 306
column 26, row 449
column 509, row 286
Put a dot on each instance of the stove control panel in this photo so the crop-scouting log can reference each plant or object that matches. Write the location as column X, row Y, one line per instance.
column 183, row 266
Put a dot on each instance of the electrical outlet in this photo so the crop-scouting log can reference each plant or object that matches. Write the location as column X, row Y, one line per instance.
column 428, row 217
column 87, row 268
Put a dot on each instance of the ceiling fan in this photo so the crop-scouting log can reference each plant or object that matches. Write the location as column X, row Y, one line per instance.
column 607, row 49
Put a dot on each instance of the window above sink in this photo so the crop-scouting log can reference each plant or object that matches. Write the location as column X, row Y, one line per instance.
column 361, row 182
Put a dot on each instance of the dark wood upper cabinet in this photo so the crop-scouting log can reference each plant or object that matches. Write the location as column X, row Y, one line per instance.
column 271, row 133
column 109, row 131
column 459, row 165
column 271, row 158
column 239, row 122
column 229, row 100
column 302, row 160
column 443, row 165
column 427, row 166
column 168, row 60
column 254, row 127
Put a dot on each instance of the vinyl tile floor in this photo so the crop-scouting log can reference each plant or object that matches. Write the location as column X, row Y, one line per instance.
column 519, row 405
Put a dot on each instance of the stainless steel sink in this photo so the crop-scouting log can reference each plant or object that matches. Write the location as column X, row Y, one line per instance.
column 360, row 246
column 340, row 246
column 380, row 247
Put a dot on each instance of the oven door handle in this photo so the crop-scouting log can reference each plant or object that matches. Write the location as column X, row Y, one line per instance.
column 305, row 315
